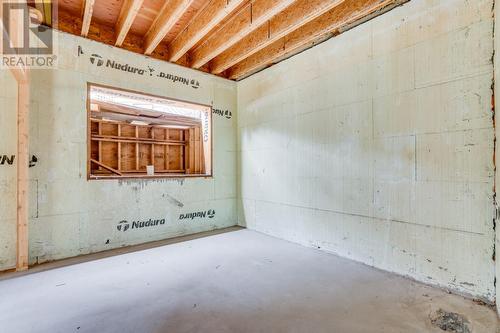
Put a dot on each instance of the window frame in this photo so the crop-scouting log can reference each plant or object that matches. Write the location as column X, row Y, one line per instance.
column 91, row 177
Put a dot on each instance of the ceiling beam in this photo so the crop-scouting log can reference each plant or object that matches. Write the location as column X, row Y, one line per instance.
column 337, row 20
column 88, row 9
column 210, row 16
column 171, row 12
column 247, row 20
column 128, row 13
column 292, row 18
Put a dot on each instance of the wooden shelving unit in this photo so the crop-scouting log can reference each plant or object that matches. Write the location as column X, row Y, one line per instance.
column 120, row 149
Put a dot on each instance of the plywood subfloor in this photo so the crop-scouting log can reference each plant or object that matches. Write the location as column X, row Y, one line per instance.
column 240, row 281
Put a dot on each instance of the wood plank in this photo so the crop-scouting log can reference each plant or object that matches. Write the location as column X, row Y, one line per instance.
column 171, row 12
column 137, row 148
column 182, row 157
column 345, row 15
column 23, row 101
column 293, row 17
column 119, row 148
column 167, row 152
column 152, row 148
column 191, row 151
column 197, row 148
column 250, row 18
column 128, row 13
column 87, row 16
column 104, row 166
column 210, row 16
column 99, row 143
column 104, row 138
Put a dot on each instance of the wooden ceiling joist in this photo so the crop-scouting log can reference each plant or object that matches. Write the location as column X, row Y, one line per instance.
column 292, row 18
column 346, row 14
column 128, row 13
column 247, row 20
column 88, row 9
column 171, row 12
column 213, row 14
column 229, row 38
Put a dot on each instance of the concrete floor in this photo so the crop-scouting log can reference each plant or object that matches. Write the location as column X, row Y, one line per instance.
column 240, row 281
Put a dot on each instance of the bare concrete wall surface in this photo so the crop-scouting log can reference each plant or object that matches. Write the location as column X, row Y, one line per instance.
column 69, row 215
column 378, row 145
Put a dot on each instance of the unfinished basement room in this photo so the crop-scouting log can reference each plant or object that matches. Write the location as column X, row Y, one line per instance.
column 249, row 166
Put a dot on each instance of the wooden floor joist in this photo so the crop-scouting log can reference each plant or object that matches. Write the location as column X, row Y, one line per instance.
column 213, row 14
column 332, row 21
column 228, row 38
column 293, row 17
column 88, row 9
column 128, row 13
column 172, row 11
column 248, row 19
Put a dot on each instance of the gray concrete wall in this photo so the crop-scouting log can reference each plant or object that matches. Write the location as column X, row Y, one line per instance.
column 69, row 215
column 377, row 145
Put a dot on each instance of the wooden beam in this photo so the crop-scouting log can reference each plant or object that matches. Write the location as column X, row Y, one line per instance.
column 247, row 20
column 292, row 18
column 210, row 16
column 104, row 166
column 128, row 13
column 22, row 173
column 69, row 23
column 21, row 75
column 347, row 14
column 87, row 16
column 171, row 12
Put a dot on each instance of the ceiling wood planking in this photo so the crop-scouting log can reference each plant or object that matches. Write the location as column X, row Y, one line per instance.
column 146, row 16
column 211, row 16
column 128, row 13
column 107, row 11
column 293, row 17
column 87, row 16
column 250, row 18
column 71, row 6
column 104, row 34
column 171, row 12
column 335, row 20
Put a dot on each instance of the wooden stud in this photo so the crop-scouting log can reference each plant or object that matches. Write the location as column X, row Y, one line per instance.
column 346, row 14
column 247, row 20
column 293, row 17
column 128, row 13
column 210, row 16
column 119, row 148
column 171, row 12
column 137, row 149
column 22, row 174
column 88, row 9
column 182, row 157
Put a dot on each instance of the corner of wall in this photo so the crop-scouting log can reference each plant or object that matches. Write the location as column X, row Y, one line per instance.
column 496, row 92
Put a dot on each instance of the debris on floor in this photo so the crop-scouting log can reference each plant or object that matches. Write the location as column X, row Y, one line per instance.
column 450, row 321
